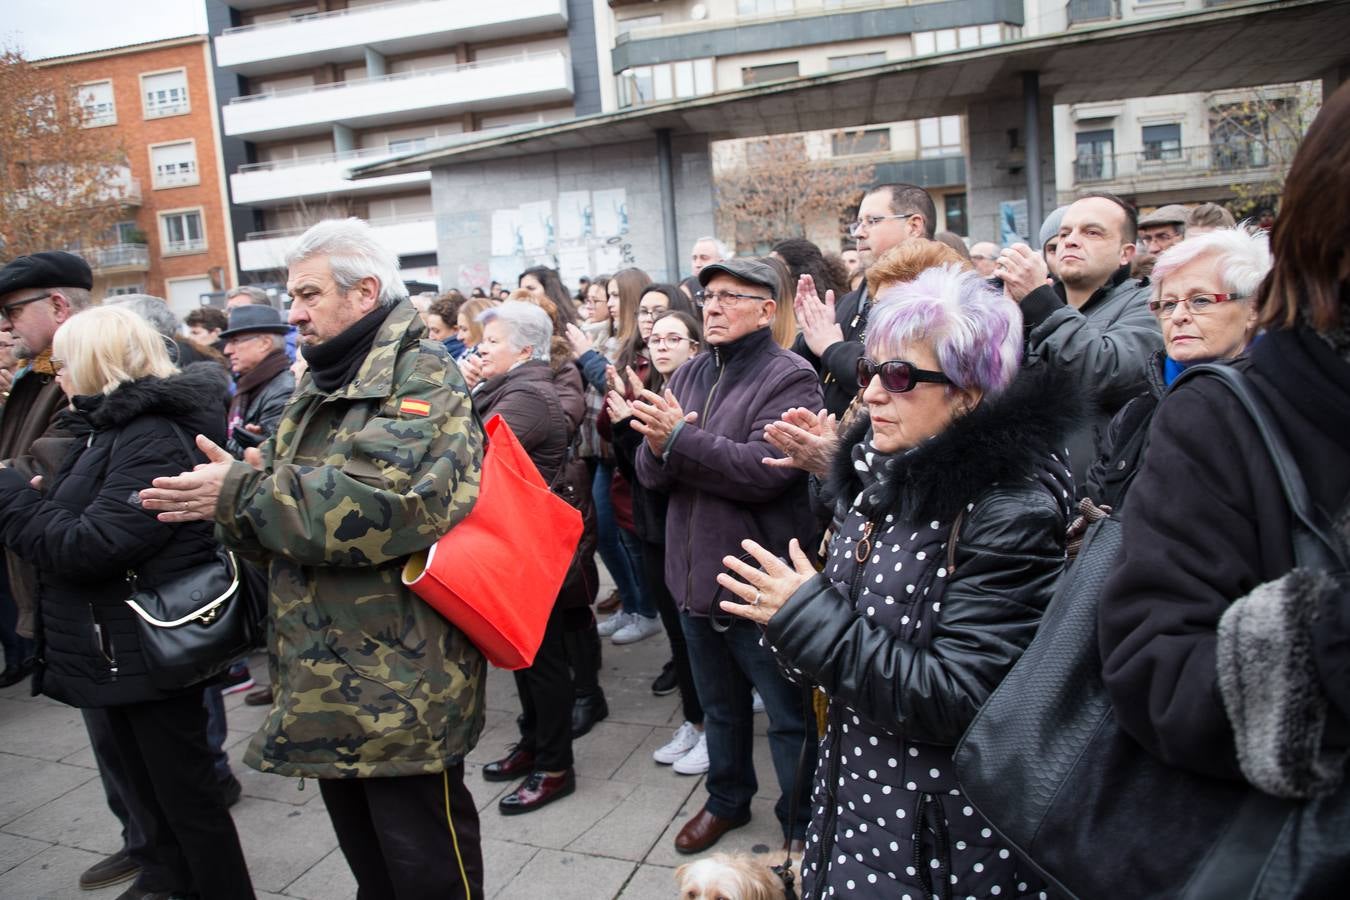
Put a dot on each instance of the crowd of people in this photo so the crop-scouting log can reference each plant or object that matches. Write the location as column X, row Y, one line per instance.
column 840, row 492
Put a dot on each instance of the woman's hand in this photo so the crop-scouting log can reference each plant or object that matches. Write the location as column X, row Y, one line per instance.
column 767, row 588
column 577, row 338
column 471, row 367
column 808, row 440
column 618, row 407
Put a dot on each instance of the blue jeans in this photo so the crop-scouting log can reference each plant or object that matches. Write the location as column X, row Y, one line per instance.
column 726, row 665
column 621, row 564
column 215, row 731
column 631, row 544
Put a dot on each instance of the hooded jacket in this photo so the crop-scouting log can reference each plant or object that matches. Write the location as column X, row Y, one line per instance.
column 720, row 490
column 908, row 650
column 371, row 681
column 86, row 530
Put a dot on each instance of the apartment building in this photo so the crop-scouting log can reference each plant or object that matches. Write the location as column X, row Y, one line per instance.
column 159, row 99
column 1227, row 147
column 321, row 86
column 671, row 49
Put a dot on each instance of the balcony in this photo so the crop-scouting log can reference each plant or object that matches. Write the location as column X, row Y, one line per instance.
column 119, row 258
column 408, row 236
column 1210, row 165
column 403, row 97
column 405, row 26
column 280, row 181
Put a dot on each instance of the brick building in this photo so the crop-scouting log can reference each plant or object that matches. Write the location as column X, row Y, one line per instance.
column 174, row 239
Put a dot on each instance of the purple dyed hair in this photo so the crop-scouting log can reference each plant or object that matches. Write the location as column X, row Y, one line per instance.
column 975, row 332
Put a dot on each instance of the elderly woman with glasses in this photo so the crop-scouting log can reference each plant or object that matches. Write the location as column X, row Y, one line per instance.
column 1203, row 290
column 950, row 506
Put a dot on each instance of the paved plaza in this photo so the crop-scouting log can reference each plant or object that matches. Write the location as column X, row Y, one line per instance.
column 613, row 838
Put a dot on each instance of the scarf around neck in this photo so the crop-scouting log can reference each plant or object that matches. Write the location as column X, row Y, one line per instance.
column 336, row 361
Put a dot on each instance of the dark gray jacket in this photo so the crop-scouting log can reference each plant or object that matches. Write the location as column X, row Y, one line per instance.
column 264, row 409
column 1106, row 344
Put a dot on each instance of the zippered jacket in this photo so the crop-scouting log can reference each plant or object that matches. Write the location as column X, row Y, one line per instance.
column 720, row 490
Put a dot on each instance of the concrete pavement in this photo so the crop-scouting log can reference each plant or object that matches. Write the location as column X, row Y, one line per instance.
column 613, row 838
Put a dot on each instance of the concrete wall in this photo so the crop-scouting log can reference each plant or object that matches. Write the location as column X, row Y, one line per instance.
column 995, row 170
column 466, row 196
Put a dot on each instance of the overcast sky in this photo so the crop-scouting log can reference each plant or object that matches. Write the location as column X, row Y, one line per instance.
column 42, row 28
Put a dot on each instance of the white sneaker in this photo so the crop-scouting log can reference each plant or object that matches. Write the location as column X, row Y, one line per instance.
column 614, row 623
column 695, row 762
column 686, row 737
column 756, row 701
column 638, row 628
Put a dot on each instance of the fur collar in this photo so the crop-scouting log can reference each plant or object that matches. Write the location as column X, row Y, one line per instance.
column 1004, row 439
column 182, row 396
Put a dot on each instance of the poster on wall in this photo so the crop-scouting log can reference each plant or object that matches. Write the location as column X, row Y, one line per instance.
column 506, row 233
column 536, row 226
column 611, row 212
column 575, row 221
column 506, row 269
column 1012, row 222
column 574, row 263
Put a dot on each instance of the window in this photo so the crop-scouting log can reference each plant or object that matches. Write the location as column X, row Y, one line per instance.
column 182, row 232
column 856, row 143
column 1162, row 142
column 856, row 61
column 1091, row 10
column 1095, row 159
column 624, row 26
column 771, row 72
column 954, row 211
column 763, row 7
column 165, row 94
column 174, row 165
column 948, row 39
column 940, row 136
column 653, row 84
column 121, row 290
column 767, row 151
column 1244, row 135
column 97, row 100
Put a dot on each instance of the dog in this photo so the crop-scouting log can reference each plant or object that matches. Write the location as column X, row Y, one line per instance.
column 726, row 877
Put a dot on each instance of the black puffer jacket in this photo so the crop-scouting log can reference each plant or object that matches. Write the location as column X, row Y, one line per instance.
column 86, row 529
column 908, row 651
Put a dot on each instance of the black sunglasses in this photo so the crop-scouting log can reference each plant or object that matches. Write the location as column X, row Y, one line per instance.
column 897, row 376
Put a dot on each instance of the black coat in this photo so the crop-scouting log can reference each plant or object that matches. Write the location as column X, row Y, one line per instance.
column 1207, row 523
column 265, row 407
column 86, row 530
column 908, row 651
column 838, row 366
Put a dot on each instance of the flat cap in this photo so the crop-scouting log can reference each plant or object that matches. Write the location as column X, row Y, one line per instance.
column 49, row 269
column 743, row 268
column 252, row 319
column 1171, row 214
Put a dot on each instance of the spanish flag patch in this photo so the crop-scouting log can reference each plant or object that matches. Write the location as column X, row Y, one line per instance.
column 414, row 408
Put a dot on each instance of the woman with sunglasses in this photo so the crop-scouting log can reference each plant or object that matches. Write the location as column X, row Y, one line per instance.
column 950, row 506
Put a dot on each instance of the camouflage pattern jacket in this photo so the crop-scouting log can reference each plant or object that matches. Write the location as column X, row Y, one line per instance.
column 371, row 682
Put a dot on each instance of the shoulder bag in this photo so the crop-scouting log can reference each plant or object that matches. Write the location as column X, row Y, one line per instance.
column 1046, row 762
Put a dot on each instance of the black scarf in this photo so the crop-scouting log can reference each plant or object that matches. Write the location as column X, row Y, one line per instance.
column 336, row 361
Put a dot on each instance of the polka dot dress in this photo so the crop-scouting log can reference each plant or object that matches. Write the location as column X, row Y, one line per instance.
column 888, row 817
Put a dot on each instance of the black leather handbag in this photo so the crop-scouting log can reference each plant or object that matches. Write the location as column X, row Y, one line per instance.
column 192, row 627
column 1046, row 762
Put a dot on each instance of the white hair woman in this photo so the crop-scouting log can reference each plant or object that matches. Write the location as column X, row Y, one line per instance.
column 1204, row 293
column 132, row 417
column 907, row 633
column 518, row 385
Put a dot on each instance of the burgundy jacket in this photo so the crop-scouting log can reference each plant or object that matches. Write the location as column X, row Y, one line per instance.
column 720, row 491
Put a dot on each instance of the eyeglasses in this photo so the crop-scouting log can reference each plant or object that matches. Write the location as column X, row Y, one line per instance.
column 670, row 340
column 870, row 222
column 897, row 376
column 726, row 298
column 7, row 311
column 652, row 314
column 1198, row 304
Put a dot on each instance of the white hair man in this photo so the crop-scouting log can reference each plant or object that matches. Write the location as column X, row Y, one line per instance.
column 376, row 456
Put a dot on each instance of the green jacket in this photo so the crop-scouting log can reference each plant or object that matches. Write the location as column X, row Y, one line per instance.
column 370, row 681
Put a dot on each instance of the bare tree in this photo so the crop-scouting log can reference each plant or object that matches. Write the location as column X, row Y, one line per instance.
column 777, row 190
column 1255, row 139
column 62, row 185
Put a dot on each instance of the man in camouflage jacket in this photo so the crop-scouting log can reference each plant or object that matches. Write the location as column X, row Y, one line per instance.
column 376, row 456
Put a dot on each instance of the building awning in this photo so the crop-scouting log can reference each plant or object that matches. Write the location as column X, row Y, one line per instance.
column 1221, row 47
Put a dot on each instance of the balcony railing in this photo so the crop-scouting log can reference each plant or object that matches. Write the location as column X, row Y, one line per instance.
column 1210, row 159
column 301, row 229
column 414, row 146
column 397, row 76
column 191, row 245
column 119, row 256
column 310, row 17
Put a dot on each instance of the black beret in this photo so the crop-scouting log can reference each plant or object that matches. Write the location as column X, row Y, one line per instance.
column 49, row 269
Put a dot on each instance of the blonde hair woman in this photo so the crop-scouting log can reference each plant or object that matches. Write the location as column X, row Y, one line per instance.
column 132, row 418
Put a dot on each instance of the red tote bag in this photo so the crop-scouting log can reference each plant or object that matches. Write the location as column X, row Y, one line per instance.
column 497, row 573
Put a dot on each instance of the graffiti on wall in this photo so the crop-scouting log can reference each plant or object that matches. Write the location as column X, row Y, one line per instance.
column 581, row 233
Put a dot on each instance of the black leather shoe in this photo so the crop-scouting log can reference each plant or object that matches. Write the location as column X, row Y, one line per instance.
column 537, row 790
column 512, row 766
column 14, row 674
column 588, row 710
column 231, row 790
column 113, row 870
column 666, row 682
